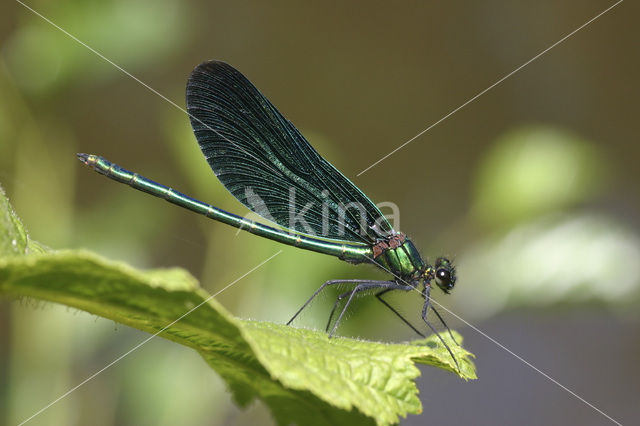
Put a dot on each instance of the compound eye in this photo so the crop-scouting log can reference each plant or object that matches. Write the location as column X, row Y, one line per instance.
column 444, row 277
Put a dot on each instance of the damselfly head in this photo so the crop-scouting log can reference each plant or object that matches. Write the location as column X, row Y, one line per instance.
column 445, row 274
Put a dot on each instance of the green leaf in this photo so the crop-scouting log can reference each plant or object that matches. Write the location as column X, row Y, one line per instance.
column 13, row 237
column 303, row 376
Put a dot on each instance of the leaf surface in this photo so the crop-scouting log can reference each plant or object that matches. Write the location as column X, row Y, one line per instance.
column 303, row 376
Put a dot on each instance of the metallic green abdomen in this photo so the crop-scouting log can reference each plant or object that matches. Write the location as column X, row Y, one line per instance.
column 401, row 258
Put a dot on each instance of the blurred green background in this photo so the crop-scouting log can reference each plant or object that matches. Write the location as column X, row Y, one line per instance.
column 533, row 188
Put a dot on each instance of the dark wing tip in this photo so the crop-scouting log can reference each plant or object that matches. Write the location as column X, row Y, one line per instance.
column 207, row 78
column 209, row 69
column 210, row 66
